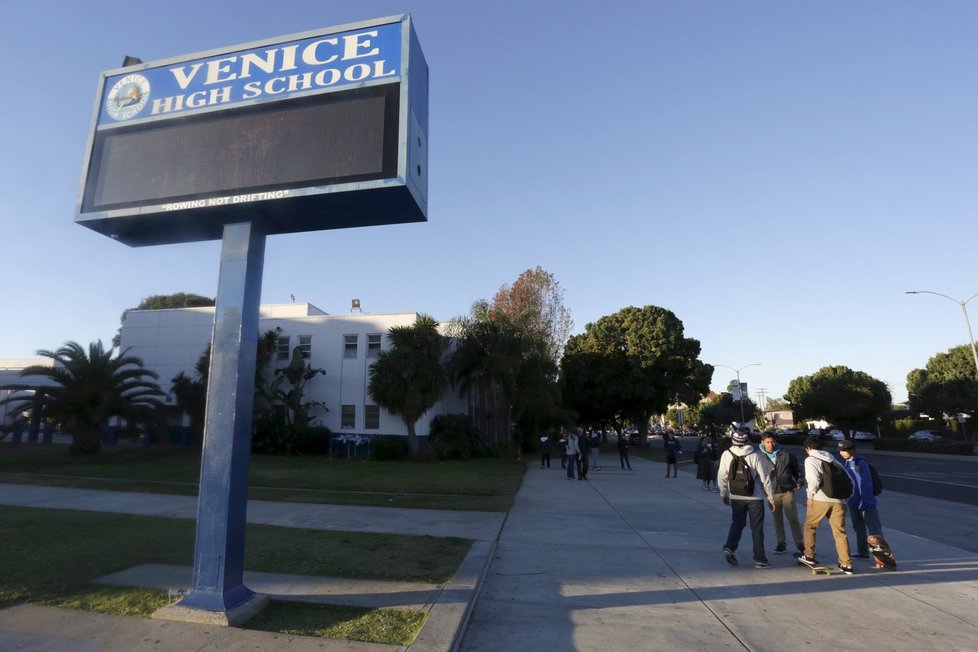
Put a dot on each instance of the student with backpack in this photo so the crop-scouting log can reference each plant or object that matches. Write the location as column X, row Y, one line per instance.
column 828, row 486
column 744, row 483
column 861, row 506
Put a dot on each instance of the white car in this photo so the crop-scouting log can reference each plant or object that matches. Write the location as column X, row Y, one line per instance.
column 925, row 435
column 836, row 435
column 861, row 435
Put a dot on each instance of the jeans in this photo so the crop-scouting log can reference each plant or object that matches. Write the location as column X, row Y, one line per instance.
column 623, row 458
column 863, row 520
column 571, row 465
column 582, row 464
column 741, row 510
column 545, row 459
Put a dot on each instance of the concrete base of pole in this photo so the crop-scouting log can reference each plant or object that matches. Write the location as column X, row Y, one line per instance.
column 234, row 617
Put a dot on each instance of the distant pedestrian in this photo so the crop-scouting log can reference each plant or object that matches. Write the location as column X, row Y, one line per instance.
column 724, row 444
column 595, row 449
column 705, row 458
column 562, row 445
column 623, row 451
column 862, row 508
column 671, row 447
column 745, row 485
column 786, row 477
column 545, row 451
column 572, row 452
column 583, row 459
column 822, row 506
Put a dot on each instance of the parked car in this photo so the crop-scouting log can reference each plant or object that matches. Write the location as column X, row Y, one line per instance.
column 835, row 435
column 861, row 435
column 925, row 435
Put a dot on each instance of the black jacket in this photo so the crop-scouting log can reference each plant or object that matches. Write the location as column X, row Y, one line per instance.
column 785, row 474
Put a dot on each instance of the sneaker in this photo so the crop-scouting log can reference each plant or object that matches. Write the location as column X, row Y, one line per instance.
column 805, row 559
column 781, row 549
column 845, row 569
column 761, row 563
column 729, row 555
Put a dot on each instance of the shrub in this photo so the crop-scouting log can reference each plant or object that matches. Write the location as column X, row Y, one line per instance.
column 453, row 436
column 389, row 448
column 272, row 436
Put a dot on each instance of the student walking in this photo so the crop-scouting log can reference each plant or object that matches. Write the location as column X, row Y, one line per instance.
column 545, row 447
column 671, row 446
column 825, row 502
column 787, row 478
column 583, row 459
column 745, row 485
column 623, row 451
column 705, row 458
column 572, row 452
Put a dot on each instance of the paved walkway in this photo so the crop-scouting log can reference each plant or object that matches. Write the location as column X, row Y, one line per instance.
column 628, row 560
column 632, row 561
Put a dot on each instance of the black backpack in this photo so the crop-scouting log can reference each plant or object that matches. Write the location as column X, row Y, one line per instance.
column 836, row 481
column 877, row 483
column 740, row 477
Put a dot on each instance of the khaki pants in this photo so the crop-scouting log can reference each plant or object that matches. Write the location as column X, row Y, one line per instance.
column 836, row 515
column 784, row 507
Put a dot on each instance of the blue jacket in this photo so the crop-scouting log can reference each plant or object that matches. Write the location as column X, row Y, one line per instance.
column 862, row 495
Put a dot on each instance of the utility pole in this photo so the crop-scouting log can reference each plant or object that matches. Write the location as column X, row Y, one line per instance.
column 762, row 396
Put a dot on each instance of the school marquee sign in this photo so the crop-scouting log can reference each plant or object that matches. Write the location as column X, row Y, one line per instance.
column 320, row 130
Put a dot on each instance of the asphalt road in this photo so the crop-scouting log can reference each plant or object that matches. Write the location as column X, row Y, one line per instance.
column 944, row 477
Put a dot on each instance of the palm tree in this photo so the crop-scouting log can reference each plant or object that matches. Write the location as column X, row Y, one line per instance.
column 490, row 356
column 87, row 388
column 408, row 378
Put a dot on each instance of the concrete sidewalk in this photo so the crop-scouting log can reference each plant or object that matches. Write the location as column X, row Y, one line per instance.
column 632, row 561
column 627, row 560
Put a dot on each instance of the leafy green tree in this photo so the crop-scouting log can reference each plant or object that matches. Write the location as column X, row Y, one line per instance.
column 720, row 411
column 646, row 363
column 947, row 385
column 840, row 396
column 775, row 405
column 408, row 379
column 87, row 388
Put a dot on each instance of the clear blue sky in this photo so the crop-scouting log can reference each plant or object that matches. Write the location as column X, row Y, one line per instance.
column 775, row 173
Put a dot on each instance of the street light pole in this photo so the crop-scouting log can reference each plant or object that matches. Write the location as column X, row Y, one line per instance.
column 737, row 371
column 964, row 309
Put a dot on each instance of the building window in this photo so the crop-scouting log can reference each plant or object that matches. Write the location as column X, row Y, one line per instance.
column 305, row 346
column 373, row 345
column 348, row 417
column 371, row 417
column 349, row 346
column 282, row 350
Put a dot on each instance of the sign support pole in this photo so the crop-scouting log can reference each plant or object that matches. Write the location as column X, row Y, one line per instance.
column 218, row 594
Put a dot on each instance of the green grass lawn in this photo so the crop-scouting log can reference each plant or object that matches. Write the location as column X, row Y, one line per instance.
column 52, row 557
column 481, row 485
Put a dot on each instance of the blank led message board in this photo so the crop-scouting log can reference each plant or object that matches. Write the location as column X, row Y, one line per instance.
column 313, row 131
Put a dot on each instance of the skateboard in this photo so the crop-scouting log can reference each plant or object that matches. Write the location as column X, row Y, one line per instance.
column 816, row 570
column 881, row 552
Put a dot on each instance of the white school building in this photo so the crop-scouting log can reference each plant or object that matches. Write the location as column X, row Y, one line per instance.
column 172, row 340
